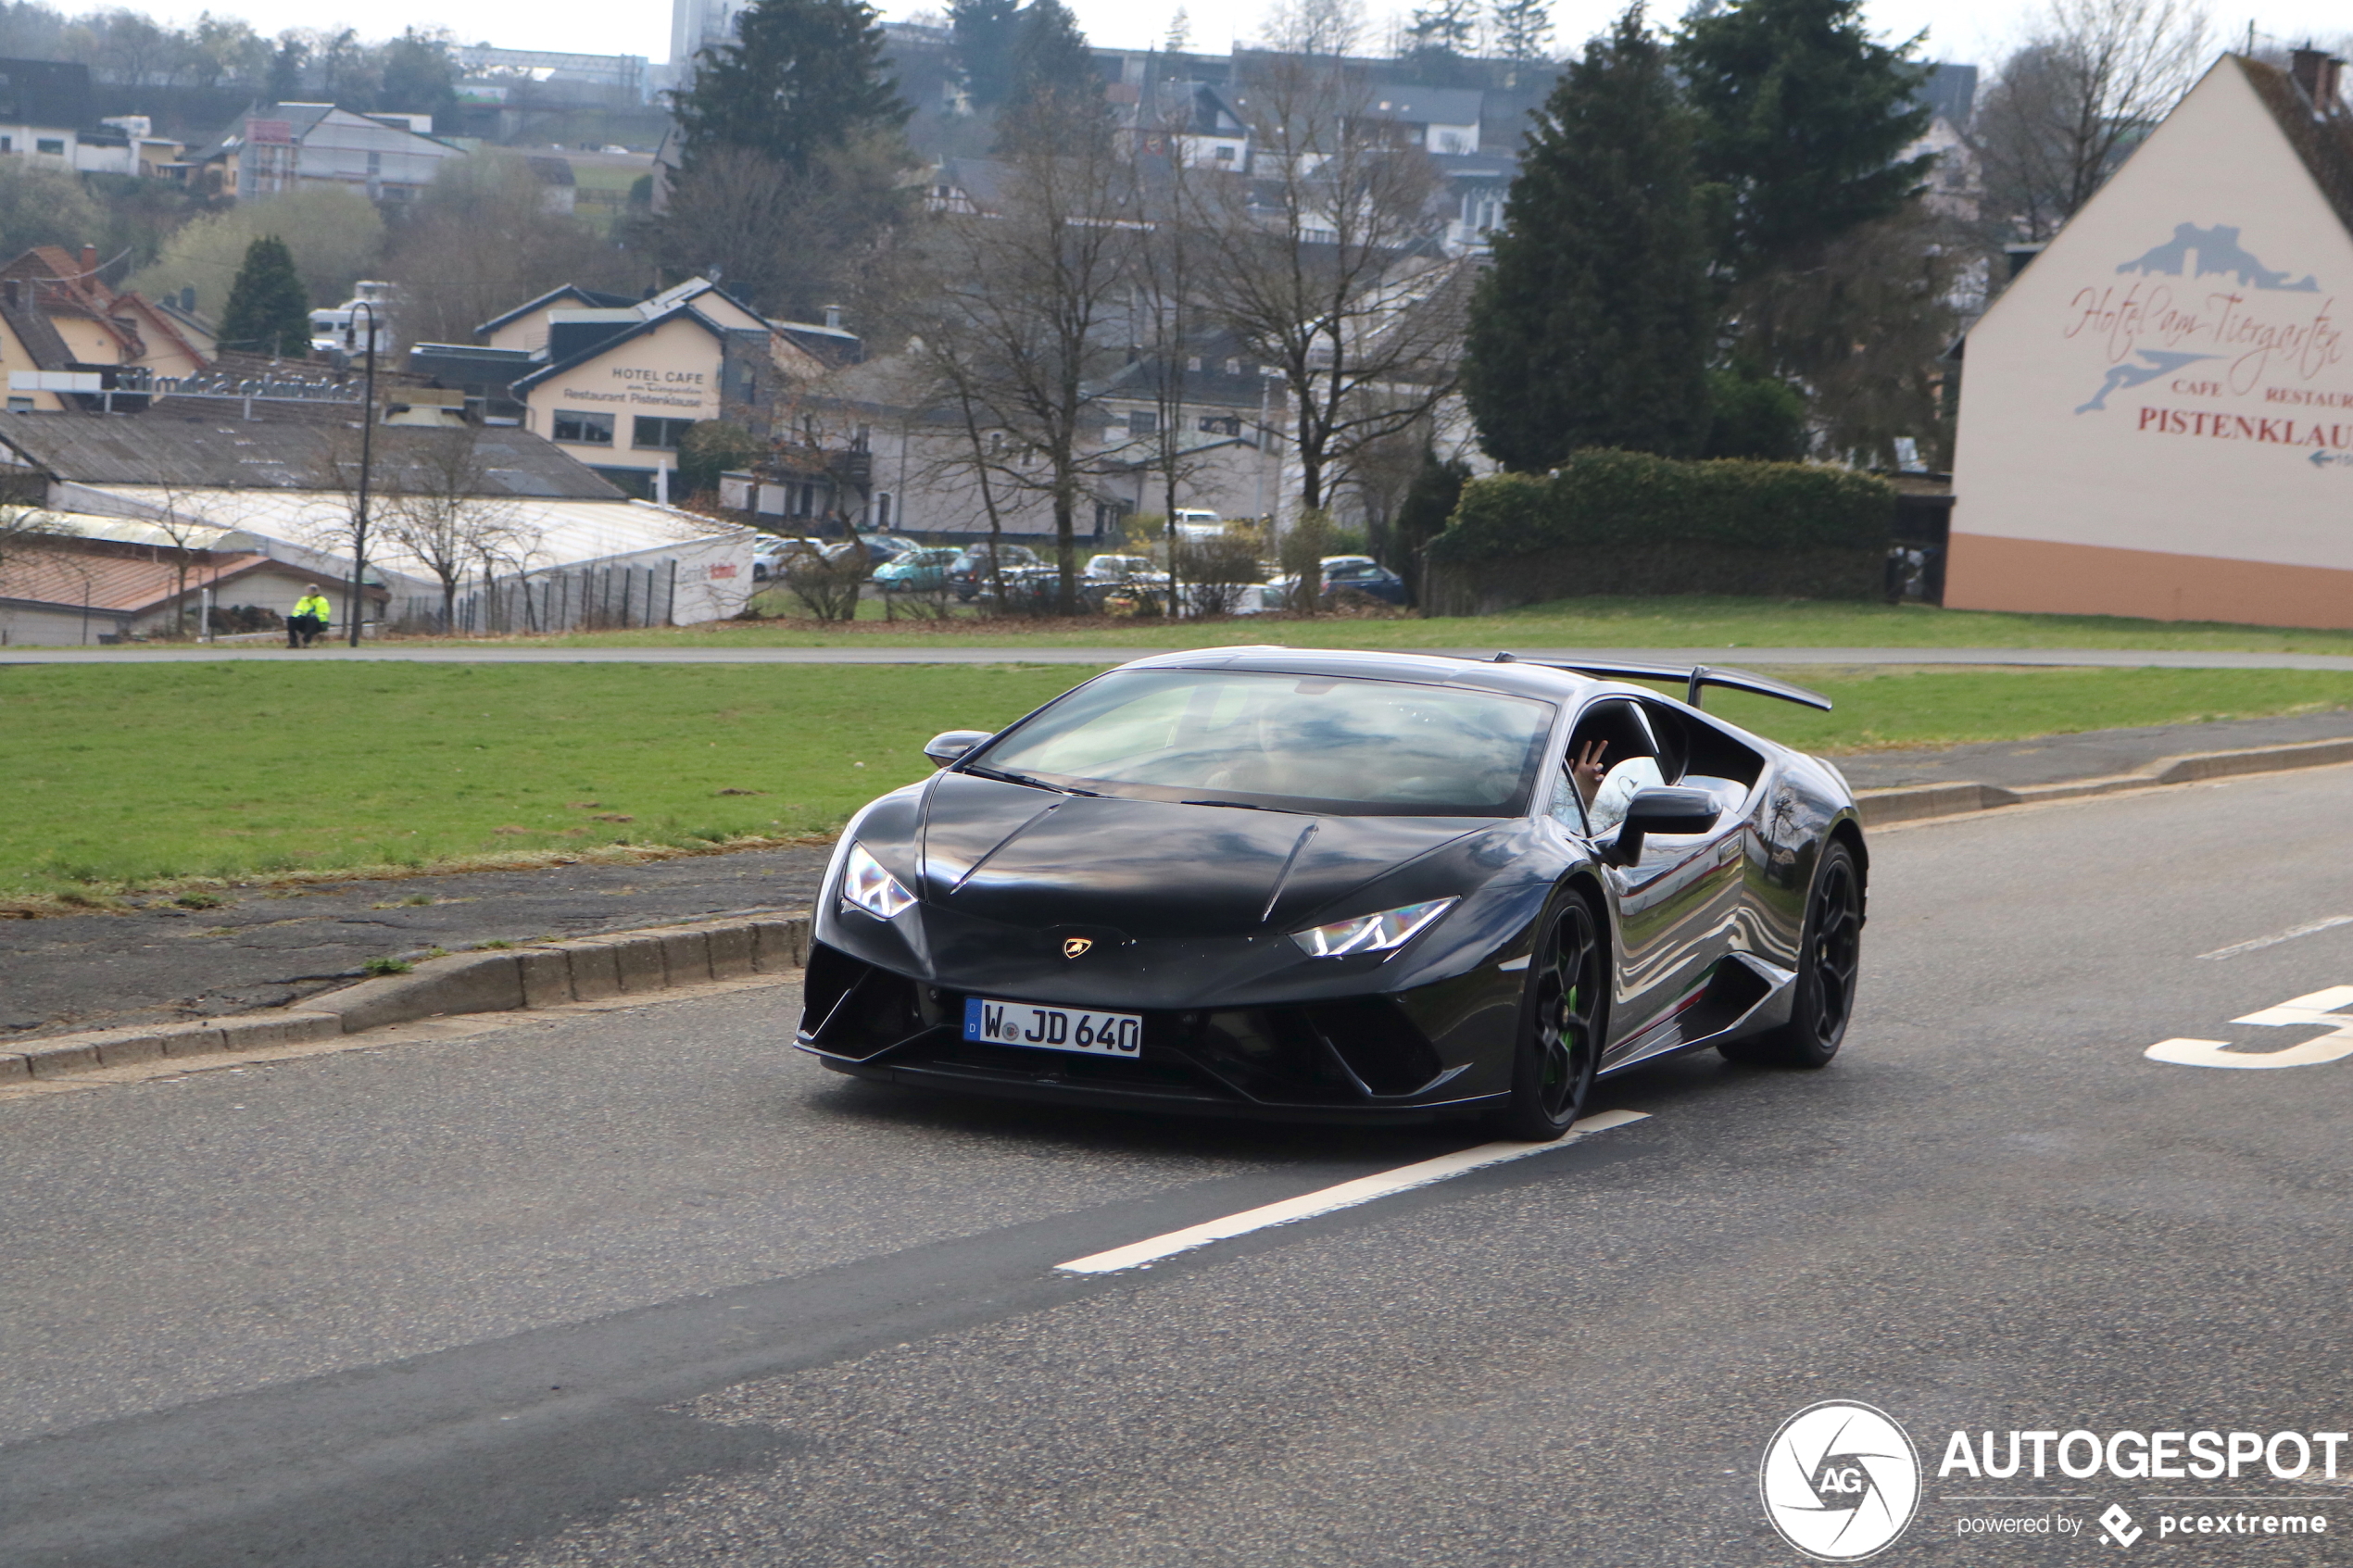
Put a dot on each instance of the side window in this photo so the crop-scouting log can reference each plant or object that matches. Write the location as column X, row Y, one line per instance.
column 1567, row 806
column 1717, row 762
column 1614, row 753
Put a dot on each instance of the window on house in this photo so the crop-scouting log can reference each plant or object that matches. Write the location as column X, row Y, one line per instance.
column 1233, row 367
column 21, row 404
column 8, row 143
column 882, row 509
column 1194, row 363
column 52, row 144
column 1225, row 154
column 583, row 429
column 660, row 436
column 1222, row 425
column 1143, row 421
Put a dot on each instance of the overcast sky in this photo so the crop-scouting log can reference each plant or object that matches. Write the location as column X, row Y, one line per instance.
column 1967, row 31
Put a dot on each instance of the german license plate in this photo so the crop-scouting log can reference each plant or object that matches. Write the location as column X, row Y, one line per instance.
column 1053, row 1029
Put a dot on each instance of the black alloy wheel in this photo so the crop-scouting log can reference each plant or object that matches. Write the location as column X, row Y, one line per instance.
column 1826, row 962
column 1561, row 1018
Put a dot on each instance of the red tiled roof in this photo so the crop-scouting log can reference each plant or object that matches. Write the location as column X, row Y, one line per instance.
column 113, row 580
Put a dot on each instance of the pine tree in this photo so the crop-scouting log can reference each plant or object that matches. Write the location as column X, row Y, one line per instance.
column 1801, row 116
column 1523, row 28
column 1057, row 93
column 982, row 35
column 268, row 312
column 802, row 77
column 1594, row 326
column 1180, row 32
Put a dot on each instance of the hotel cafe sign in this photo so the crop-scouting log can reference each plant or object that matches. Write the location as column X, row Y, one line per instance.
column 2220, row 346
column 648, row 387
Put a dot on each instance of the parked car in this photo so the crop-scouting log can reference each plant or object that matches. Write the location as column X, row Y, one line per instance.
column 1363, row 574
column 771, row 558
column 1193, row 523
column 972, row 566
column 884, row 549
column 1360, row 573
column 922, row 570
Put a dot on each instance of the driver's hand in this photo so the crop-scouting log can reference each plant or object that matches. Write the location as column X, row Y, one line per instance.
column 1586, row 768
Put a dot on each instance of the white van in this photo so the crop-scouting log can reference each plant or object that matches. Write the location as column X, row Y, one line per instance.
column 1192, row 524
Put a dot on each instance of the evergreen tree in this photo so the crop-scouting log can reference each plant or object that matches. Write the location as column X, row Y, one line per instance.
column 1801, row 116
column 1754, row 416
column 802, row 77
column 284, row 84
column 1594, row 326
column 420, row 76
column 268, row 312
column 982, row 35
column 1429, row 503
column 1057, row 97
column 1523, row 28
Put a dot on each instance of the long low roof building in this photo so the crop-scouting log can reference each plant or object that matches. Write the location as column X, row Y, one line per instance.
column 533, row 539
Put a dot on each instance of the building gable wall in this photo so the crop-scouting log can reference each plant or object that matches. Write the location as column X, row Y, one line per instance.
column 2167, row 384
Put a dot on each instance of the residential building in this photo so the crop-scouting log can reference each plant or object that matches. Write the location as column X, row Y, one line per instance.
column 616, row 384
column 274, row 147
column 62, row 326
column 2157, row 415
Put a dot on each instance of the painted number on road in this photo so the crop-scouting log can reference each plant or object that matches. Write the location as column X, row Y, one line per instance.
column 2322, row 1010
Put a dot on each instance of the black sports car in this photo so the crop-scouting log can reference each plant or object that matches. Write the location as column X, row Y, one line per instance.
column 1344, row 886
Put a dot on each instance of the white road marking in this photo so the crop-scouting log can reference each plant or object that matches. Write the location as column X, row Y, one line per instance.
column 2290, row 934
column 1347, row 1195
column 2319, row 1010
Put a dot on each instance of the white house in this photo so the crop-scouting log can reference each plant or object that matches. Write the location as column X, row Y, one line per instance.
column 276, row 148
column 2157, row 416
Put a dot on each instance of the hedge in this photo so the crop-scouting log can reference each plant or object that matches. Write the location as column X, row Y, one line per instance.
column 1628, row 522
column 1615, row 498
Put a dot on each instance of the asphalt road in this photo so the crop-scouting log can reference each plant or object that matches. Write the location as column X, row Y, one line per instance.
column 646, row 1288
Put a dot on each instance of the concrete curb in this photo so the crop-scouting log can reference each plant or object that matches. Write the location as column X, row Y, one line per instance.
column 494, row 980
column 1911, row 803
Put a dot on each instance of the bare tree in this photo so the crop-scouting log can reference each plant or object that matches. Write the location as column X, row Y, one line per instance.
column 440, row 509
column 480, row 238
column 1320, row 274
column 2070, row 105
column 1313, row 27
column 1020, row 328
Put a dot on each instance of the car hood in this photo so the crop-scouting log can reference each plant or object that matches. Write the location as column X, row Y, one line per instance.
column 1150, row 869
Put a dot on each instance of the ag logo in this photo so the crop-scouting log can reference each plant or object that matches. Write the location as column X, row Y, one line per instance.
column 1839, row 1481
column 1075, row 946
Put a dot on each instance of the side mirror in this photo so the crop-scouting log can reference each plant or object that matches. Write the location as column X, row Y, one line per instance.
column 1661, row 811
column 949, row 745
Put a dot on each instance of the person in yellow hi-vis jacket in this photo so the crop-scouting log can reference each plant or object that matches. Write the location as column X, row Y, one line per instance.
column 311, row 613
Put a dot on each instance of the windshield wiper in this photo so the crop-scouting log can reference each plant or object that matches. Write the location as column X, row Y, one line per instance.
column 1003, row 776
column 1244, row 806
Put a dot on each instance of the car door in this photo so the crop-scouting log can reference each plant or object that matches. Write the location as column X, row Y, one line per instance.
column 1678, row 902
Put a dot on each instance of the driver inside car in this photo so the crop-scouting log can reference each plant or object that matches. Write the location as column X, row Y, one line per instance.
column 1608, row 774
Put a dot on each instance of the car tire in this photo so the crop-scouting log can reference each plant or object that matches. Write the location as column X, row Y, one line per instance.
column 1828, row 958
column 1563, row 1017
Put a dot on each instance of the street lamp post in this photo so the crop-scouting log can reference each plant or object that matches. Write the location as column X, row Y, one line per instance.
column 356, row 608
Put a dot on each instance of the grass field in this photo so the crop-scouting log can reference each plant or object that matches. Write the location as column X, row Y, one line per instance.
column 141, row 775
column 1597, row 623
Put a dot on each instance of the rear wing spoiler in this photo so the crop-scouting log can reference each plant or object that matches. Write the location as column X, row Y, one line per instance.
column 1696, row 678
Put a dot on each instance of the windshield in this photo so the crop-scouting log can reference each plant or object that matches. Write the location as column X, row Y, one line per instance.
column 1288, row 742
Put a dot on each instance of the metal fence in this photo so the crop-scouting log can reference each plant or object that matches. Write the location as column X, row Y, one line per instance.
column 592, row 599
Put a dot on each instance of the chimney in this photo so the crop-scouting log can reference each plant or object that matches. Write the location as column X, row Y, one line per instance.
column 833, row 318
column 89, row 260
column 2316, row 71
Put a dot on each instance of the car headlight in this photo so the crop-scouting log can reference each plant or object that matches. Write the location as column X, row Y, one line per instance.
column 866, row 885
column 1382, row 933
